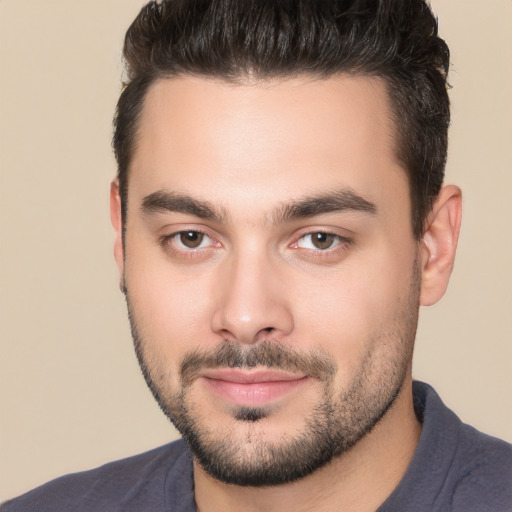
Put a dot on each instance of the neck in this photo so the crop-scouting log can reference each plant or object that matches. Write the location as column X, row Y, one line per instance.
column 359, row 480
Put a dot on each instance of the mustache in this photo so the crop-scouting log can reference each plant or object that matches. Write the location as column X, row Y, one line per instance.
column 273, row 355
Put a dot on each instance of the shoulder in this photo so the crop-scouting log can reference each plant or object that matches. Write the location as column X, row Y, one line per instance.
column 484, row 472
column 476, row 468
column 455, row 467
column 134, row 483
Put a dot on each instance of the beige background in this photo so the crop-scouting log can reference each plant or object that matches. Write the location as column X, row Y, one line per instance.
column 70, row 389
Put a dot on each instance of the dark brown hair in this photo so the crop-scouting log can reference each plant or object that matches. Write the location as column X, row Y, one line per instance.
column 396, row 40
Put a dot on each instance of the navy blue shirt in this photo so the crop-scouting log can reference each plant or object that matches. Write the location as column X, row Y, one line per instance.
column 454, row 468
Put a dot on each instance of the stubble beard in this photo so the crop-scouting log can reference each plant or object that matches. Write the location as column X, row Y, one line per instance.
column 336, row 423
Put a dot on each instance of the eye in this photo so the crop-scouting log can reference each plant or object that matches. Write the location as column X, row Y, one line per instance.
column 319, row 241
column 189, row 245
column 191, row 240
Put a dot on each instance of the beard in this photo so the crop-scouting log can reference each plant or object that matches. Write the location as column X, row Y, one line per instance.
column 333, row 424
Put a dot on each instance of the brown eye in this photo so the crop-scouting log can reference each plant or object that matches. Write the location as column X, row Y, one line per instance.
column 191, row 239
column 319, row 241
column 322, row 240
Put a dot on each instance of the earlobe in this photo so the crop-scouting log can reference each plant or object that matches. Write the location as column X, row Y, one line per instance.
column 117, row 224
column 439, row 244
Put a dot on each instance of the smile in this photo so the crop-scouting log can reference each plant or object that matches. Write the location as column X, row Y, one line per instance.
column 252, row 388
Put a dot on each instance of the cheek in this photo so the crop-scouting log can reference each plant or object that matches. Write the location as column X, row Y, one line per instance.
column 358, row 311
column 171, row 309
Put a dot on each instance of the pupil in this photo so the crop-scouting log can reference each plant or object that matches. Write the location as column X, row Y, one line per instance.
column 191, row 239
column 323, row 240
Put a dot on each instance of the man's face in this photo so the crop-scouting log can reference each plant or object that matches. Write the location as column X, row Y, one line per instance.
column 270, row 268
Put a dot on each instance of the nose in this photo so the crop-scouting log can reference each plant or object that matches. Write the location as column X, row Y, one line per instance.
column 251, row 301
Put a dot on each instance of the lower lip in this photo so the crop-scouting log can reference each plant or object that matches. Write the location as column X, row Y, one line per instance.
column 254, row 394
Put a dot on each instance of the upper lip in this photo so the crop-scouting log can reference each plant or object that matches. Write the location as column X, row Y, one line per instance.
column 250, row 376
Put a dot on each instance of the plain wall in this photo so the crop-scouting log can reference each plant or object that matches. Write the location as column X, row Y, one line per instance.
column 71, row 394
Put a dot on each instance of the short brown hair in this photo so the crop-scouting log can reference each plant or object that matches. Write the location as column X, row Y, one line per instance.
column 396, row 40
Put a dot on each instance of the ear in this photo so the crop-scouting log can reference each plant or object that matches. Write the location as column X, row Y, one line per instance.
column 439, row 244
column 117, row 224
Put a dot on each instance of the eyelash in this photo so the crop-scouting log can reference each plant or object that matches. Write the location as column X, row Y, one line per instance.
column 166, row 243
column 341, row 244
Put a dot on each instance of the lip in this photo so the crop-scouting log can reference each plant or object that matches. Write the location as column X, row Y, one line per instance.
column 255, row 388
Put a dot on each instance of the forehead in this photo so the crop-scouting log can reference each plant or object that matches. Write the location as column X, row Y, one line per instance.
column 265, row 140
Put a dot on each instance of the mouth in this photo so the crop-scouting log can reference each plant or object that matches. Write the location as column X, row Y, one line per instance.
column 251, row 388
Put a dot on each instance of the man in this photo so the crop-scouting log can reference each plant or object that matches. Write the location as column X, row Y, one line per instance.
column 280, row 216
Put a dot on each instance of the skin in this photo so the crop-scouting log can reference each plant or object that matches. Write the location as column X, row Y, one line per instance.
column 249, row 151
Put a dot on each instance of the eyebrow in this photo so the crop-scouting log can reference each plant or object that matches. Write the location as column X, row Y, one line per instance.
column 337, row 201
column 163, row 201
